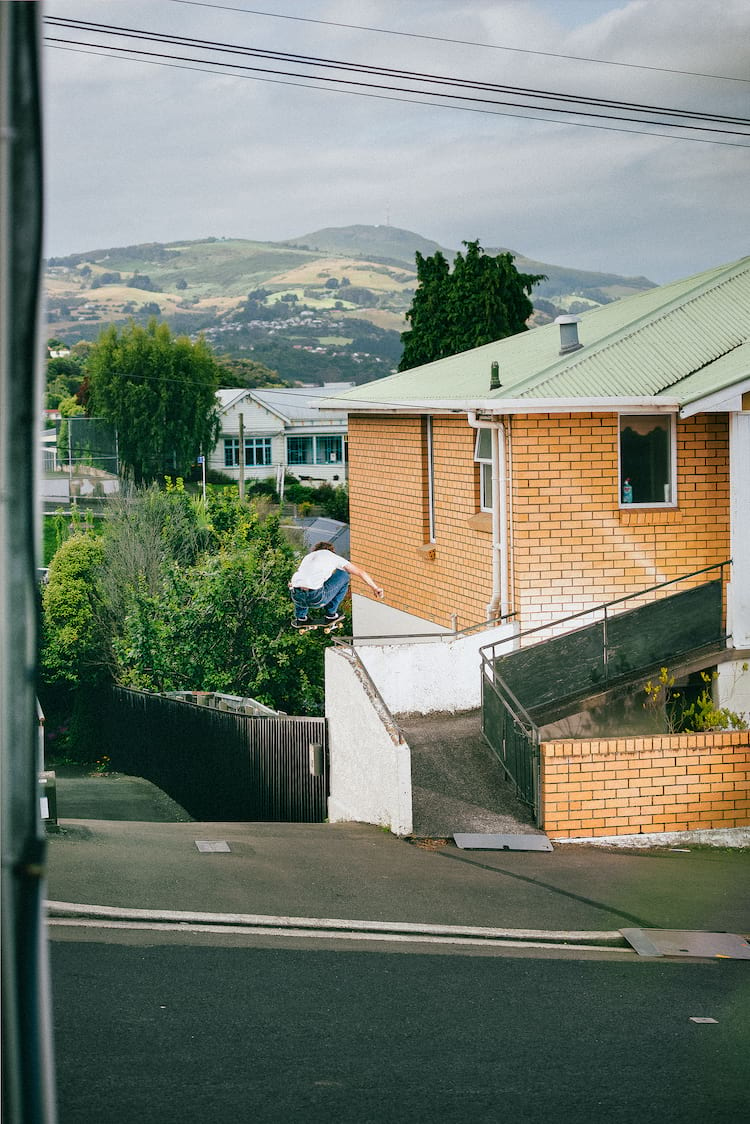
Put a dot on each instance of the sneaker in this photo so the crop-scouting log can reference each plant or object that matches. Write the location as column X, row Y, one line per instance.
column 299, row 622
column 331, row 618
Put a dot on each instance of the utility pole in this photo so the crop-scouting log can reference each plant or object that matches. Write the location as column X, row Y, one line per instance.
column 241, row 478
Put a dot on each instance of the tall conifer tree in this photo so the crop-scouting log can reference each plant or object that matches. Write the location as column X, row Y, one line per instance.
column 484, row 298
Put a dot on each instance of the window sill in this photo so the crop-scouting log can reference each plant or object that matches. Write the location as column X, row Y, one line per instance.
column 482, row 521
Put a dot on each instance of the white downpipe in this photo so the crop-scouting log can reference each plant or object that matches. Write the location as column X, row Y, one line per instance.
column 499, row 601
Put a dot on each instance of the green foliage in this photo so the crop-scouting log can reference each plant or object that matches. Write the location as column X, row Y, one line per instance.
column 703, row 714
column 246, row 373
column 64, row 377
column 159, row 392
column 222, row 624
column 176, row 594
column 74, row 646
column 483, row 299
column 698, row 716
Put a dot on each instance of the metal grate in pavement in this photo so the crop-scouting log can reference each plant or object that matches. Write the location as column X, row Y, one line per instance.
column 468, row 841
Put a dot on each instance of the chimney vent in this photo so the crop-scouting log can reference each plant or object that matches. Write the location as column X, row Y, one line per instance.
column 569, row 334
column 495, row 376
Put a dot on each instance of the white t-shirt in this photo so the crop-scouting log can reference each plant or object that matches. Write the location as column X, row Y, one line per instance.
column 316, row 568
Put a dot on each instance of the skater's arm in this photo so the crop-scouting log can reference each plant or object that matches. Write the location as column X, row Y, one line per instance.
column 358, row 572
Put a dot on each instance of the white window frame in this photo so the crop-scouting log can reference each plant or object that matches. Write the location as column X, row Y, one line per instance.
column 483, row 457
column 671, row 421
column 430, row 451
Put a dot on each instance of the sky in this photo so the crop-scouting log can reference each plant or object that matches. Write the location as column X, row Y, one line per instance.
column 140, row 152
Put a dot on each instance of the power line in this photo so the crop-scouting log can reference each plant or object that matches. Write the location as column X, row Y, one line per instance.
column 379, row 70
column 206, row 68
column 462, row 42
column 686, row 119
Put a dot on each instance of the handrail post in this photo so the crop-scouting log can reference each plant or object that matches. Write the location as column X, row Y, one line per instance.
column 605, row 647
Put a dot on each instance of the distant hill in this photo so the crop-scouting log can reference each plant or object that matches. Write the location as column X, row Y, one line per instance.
column 390, row 244
column 326, row 305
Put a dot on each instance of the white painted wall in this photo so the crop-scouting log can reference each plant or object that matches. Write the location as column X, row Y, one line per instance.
column 370, row 771
column 375, row 618
column 739, row 506
column 424, row 675
column 732, row 687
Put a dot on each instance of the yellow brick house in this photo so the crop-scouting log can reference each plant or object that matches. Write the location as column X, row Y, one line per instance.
column 562, row 468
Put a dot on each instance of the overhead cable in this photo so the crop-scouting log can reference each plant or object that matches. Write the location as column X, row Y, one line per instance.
column 462, row 42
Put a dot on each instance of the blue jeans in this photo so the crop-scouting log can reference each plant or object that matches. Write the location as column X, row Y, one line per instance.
column 323, row 601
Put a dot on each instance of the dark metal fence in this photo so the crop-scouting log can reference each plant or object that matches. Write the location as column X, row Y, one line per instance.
column 221, row 765
column 515, row 739
column 523, row 687
column 664, row 626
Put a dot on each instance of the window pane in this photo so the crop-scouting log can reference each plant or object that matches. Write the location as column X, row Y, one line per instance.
column 645, row 459
column 485, row 471
column 483, row 447
column 257, row 451
column 299, row 450
column 231, row 452
column 328, row 450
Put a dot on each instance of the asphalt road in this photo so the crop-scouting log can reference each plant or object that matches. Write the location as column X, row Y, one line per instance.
column 155, row 1033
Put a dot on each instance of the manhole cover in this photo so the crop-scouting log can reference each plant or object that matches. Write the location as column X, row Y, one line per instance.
column 207, row 846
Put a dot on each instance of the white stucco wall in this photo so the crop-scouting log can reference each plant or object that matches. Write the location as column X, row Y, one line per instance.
column 375, row 618
column 423, row 676
column 732, row 687
column 370, row 771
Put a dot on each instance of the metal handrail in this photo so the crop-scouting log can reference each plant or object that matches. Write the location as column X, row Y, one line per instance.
column 350, row 641
column 520, row 714
column 604, row 606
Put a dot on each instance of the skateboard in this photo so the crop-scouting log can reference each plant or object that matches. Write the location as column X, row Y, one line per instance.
column 312, row 625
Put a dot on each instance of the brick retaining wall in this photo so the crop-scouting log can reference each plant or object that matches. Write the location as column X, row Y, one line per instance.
column 634, row 785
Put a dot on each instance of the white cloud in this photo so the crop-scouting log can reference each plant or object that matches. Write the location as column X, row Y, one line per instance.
column 137, row 152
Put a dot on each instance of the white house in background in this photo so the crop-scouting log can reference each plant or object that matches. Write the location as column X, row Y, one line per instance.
column 284, row 431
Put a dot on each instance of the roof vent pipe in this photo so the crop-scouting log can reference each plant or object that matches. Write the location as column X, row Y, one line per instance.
column 495, row 376
column 569, row 334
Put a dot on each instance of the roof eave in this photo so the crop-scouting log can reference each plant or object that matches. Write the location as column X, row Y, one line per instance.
column 660, row 404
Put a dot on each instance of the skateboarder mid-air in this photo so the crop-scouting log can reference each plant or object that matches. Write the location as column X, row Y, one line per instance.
column 320, row 584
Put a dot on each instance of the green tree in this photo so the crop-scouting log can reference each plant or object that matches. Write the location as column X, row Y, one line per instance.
column 74, row 646
column 64, row 377
column 484, row 298
column 159, row 392
column 241, row 372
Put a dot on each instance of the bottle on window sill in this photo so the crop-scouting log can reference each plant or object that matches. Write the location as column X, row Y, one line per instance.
column 627, row 491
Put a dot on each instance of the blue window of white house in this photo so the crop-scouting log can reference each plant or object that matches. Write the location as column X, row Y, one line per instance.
column 483, row 457
column 329, row 450
column 231, row 452
column 315, row 450
column 257, row 451
column 300, row 450
column 647, row 459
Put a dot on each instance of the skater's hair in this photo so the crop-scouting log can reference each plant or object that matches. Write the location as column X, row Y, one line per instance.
column 324, row 546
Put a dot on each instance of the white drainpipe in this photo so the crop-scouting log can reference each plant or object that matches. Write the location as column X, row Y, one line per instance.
column 499, row 602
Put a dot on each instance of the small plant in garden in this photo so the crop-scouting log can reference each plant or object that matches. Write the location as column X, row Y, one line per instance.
column 701, row 715
column 661, row 695
column 102, row 764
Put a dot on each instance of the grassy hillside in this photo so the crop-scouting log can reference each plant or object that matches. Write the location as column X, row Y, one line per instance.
column 327, row 304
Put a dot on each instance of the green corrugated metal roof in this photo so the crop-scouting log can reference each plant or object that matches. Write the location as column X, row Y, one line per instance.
column 681, row 341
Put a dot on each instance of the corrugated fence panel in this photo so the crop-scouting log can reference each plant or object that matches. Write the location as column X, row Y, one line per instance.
column 219, row 765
